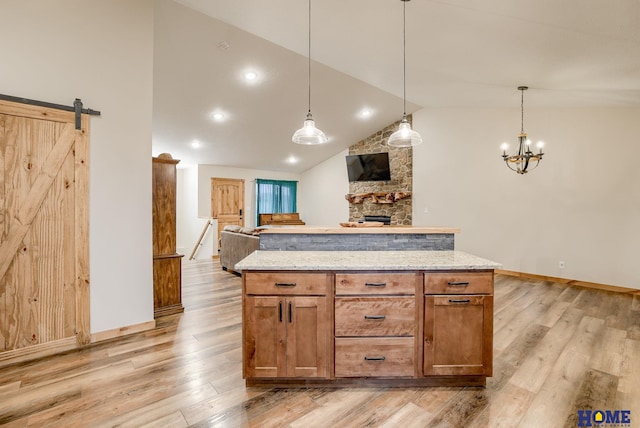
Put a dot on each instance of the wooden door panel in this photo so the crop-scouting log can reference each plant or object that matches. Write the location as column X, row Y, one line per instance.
column 227, row 202
column 308, row 329
column 458, row 333
column 164, row 195
column 264, row 337
column 44, row 282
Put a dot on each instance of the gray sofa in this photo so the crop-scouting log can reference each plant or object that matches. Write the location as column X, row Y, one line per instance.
column 236, row 243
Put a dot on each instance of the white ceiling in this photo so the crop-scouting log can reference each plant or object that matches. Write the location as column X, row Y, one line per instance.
column 460, row 53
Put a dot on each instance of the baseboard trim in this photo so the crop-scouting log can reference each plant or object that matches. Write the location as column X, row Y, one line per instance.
column 122, row 331
column 585, row 284
column 38, row 351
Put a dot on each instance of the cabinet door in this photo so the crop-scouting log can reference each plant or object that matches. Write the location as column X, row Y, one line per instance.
column 264, row 337
column 308, row 336
column 458, row 335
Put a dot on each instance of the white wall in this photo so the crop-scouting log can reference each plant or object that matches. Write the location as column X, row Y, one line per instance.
column 101, row 52
column 189, row 226
column 205, row 173
column 582, row 204
column 321, row 192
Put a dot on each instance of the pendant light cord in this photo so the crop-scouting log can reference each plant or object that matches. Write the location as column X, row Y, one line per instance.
column 309, row 76
column 404, row 58
column 522, row 111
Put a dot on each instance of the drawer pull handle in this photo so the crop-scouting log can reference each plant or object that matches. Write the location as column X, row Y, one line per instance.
column 458, row 283
column 375, row 284
column 381, row 358
column 285, row 284
column 375, row 317
column 459, row 301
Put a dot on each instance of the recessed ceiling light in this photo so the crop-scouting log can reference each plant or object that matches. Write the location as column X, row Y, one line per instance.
column 217, row 116
column 250, row 75
column 365, row 113
column 196, row 144
column 292, row 159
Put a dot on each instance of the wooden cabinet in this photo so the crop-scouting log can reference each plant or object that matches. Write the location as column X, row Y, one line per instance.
column 410, row 328
column 167, row 264
column 458, row 328
column 286, row 331
column 375, row 324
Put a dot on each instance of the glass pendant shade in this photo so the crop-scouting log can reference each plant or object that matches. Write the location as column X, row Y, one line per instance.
column 404, row 136
column 309, row 134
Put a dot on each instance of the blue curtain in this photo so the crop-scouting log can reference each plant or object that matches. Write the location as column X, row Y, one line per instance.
column 275, row 196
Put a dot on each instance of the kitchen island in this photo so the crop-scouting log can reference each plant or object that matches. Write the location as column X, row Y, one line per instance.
column 384, row 318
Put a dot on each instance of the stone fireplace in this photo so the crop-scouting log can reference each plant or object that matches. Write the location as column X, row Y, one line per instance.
column 401, row 165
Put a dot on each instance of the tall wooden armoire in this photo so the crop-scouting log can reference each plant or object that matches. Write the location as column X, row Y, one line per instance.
column 167, row 263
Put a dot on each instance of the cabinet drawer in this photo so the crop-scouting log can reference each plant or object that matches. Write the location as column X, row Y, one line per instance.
column 291, row 283
column 375, row 316
column 374, row 357
column 458, row 283
column 376, row 283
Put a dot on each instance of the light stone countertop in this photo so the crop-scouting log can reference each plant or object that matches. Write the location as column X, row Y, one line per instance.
column 363, row 260
column 330, row 230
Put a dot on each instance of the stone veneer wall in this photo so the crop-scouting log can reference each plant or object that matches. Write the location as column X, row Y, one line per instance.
column 401, row 163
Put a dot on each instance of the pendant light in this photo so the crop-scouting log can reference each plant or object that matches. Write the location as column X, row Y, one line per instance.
column 524, row 159
column 309, row 134
column 404, row 136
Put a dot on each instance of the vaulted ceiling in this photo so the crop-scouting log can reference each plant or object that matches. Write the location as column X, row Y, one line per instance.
column 460, row 53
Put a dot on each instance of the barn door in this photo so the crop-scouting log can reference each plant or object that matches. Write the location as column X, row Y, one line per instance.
column 44, row 247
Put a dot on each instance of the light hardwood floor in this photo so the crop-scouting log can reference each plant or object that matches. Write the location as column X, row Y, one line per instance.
column 557, row 349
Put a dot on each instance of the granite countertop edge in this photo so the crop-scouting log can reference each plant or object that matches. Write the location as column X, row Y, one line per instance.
column 363, row 260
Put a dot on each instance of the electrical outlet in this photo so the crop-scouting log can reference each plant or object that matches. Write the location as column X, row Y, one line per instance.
column 561, row 264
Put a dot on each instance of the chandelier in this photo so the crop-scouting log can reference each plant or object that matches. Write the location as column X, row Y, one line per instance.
column 524, row 160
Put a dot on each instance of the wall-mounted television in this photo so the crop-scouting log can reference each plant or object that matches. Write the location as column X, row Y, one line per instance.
column 369, row 167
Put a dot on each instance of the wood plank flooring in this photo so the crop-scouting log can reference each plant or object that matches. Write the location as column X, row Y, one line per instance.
column 557, row 349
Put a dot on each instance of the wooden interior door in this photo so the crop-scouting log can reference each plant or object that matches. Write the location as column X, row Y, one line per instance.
column 44, row 227
column 227, row 202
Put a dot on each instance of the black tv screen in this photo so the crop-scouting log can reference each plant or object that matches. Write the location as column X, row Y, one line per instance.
column 369, row 167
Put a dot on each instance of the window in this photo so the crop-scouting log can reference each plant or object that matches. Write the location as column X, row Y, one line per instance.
column 275, row 196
